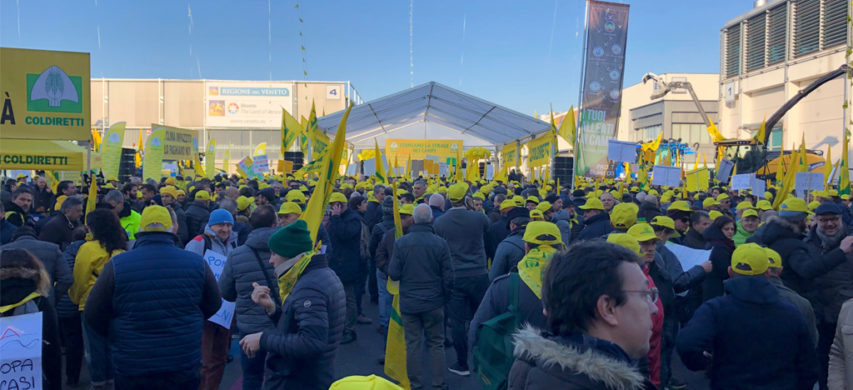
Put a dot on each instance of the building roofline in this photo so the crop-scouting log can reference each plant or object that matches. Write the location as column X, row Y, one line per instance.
column 223, row 80
column 753, row 12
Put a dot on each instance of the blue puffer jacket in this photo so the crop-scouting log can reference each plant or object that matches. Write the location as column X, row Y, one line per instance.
column 157, row 302
column 757, row 340
column 345, row 233
column 310, row 326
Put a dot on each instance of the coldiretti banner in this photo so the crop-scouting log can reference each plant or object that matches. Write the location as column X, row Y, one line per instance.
column 41, row 154
column 509, row 154
column 418, row 149
column 539, row 151
column 45, row 95
column 178, row 144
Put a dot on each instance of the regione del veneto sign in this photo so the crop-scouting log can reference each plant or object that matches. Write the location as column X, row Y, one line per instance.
column 45, row 95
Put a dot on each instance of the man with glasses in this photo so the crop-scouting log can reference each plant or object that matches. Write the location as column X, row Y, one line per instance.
column 679, row 211
column 749, row 338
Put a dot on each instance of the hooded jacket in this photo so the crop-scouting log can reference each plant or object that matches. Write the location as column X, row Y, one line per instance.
column 50, row 256
column 757, row 341
column 741, row 235
column 197, row 244
column 509, row 252
column 309, row 328
column 802, row 263
column 90, row 261
column 595, row 227
column 130, row 220
column 576, row 362
column 241, row 270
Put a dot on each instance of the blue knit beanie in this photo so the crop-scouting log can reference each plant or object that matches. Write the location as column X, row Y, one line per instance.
column 220, row 216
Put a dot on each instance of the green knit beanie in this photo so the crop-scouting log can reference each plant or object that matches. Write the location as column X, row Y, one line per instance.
column 291, row 240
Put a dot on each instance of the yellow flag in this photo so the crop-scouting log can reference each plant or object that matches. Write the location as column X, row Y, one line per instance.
column 210, row 159
column 759, row 136
column 261, row 149
column 715, row 134
column 654, row 145
column 199, row 170
column 568, row 128
column 140, row 148
column 409, row 168
column 329, row 173
column 719, row 158
column 787, row 182
column 780, row 171
column 92, row 200
column 827, row 168
column 696, row 164
column 290, row 130
column 804, row 163
column 96, row 140
column 395, row 346
column 226, row 161
column 844, row 168
column 459, row 178
column 380, row 173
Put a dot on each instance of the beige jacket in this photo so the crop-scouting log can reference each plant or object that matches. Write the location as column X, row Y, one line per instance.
column 841, row 352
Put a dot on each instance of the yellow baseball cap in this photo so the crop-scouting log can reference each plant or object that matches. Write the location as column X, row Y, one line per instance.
column 714, row 214
column 407, row 209
column 170, row 181
column 519, row 200
column 478, row 195
column 507, row 204
column 295, row 196
column 774, row 258
column 625, row 240
column 536, row 215
column 59, row 200
column 794, row 205
column 764, row 205
column 624, row 215
column 289, row 208
column 750, row 259
column 338, row 197
column 744, row 205
column 593, row 204
column 663, row 221
column 845, row 197
column 542, row 233
column 244, row 202
column 532, row 199
column 680, row 205
column 832, row 193
column 202, row 195
column 813, row 205
column 768, row 195
column 170, row 190
column 457, row 191
column 708, row 202
column 544, row 207
column 722, row 196
column 155, row 219
column 749, row 213
column 642, row 232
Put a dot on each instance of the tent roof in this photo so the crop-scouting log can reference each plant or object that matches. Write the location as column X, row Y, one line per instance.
column 434, row 104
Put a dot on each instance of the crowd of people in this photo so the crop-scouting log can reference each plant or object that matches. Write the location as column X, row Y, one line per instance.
column 534, row 285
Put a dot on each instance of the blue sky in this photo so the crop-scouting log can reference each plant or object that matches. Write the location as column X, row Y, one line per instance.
column 523, row 55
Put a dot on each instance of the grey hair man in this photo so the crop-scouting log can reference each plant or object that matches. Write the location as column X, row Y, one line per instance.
column 421, row 263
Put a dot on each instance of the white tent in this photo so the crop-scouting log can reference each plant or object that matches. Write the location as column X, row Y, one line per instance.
column 434, row 111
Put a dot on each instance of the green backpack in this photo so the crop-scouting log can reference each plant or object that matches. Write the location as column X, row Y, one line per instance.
column 493, row 351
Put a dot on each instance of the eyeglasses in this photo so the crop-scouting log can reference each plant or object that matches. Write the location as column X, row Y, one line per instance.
column 651, row 294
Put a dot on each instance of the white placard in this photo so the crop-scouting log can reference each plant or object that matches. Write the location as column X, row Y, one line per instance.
column 352, row 169
column 742, row 181
column 758, row 187
column 665, row 175
column 621, row 151
column 490, row 172
column 20, row 351
column 808, row 181
column 688, row 257
column 725, row 171
column 368, row 167
column 225, row 314
column 443, row 169
column 261, row 163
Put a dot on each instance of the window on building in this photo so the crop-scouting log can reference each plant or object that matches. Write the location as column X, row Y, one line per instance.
column 806, row 27
column 755, row 29
column 834, row 22
column 775, row 138
column 649, row 133
column 777, row 29
column 733, row 51
column 691, row 133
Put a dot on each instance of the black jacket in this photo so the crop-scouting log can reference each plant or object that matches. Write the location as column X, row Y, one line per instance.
column 373, row 215
column 595, row 227
column 802, row 263
column 310, row 325
column 578, row 362
column 757, row 340
column 498, row 230
column 345, row 233
column 49, row 254
column 721, row 258
column 421, row 262
column 58, row 231
column 833, row 288
column 496, row 301
column 694, row 239
column 197, row 215
column 43, row 201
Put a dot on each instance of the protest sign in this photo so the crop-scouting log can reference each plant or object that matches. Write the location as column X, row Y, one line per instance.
column 688, row 257
column 225, row 314
column 20, row 351
column 621, row 151
column 665, row 175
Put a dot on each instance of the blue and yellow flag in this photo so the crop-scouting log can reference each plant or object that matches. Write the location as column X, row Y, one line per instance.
column 380, row 173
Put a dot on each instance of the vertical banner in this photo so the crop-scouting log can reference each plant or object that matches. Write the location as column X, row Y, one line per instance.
column 509, row 155
column 210, row 159
column 153, row 160
column 601, row 88
column 111, row 150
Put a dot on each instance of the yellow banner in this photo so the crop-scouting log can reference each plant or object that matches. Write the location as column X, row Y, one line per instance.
column 153, row 162
column 418, row 149
column 539, row 151
column 509, row 155
column 210, row 159
column 45, row 95
column 178, row 144
column 42, row 154
column 698, row 180
column 111, row 150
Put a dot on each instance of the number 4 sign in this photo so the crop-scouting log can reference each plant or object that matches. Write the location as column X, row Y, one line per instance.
column 333, row 92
